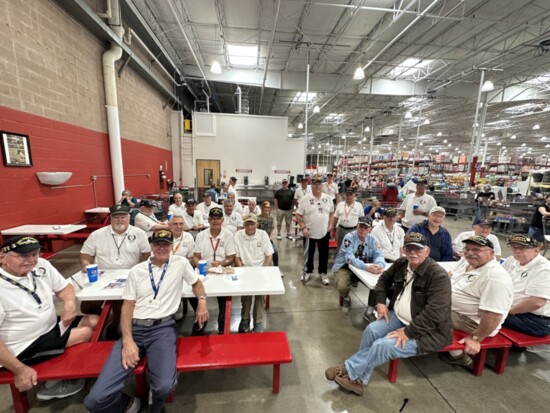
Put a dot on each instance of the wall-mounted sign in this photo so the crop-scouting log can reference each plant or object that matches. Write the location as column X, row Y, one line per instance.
column 245, row 171
column 282, row 171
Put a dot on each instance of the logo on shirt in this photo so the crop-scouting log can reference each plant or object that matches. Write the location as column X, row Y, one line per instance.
column 347, row 243
column 471, row 278
column 131, row 238
column 38, row 272
column 325, row 200
column 258, row 244
column 311, row 202
column 524, row 274
column 422, row 201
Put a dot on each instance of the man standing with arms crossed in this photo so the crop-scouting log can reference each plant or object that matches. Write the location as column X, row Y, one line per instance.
column 283, row 202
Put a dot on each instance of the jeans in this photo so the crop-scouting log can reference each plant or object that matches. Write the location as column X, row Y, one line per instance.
column 528, row 323
column 376, row 349
column 536, row 233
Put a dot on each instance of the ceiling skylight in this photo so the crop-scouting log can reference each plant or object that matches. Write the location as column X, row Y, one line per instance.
column 409, row 67
column 242, row 55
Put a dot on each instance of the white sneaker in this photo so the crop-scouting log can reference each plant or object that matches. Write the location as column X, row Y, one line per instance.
column 290, row 237
column 279, row 237
column 324, row 279
column 346, row 305
column 135, row 406
column 59, row 389
column 306, row 277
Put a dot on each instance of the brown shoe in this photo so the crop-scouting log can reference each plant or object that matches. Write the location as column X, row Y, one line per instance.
column 354, row 386
column 332, row 372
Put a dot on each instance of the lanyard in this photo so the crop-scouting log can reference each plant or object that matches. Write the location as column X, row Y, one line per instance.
column 153, row 218
column 32, row 293
column 346, row 211
column 156, row 288
column 177, row 247
column 119, row 246
column 407, row 282
column 215, row 248
column 392, row 238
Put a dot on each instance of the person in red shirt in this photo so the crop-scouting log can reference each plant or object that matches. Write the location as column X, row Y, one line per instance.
column 389, row 193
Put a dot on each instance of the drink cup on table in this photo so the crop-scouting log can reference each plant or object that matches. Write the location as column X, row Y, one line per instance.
column 93, row 272
column 202, row 268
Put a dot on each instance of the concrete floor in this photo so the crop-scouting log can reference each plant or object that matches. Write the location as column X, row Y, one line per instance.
column 321, row 335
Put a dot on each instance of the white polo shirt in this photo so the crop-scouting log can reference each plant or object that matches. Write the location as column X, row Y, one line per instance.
column 253, row 249
column 176, row 210
column 390, row 241
column 331, row 190
column 146, row 222
column 487, row 288
column 214, row 249
column 458, row 245
column 531, row 280
column 193, row 221
column 300, row 193
column 316, row 214
column 205, row 210
column 116, row 251
column 232, row 222
column 231, row 190
column 246, row 211
column 21, row 319
column 183, row 246
column 238, row 208
column 348, row 215
column 402, row 306
column 424, row 202
column 138, row 288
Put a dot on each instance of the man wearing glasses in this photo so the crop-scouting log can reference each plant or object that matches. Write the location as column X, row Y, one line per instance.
column 417, row 320
column 482, row 296
column 30, row 330
column 530, row 271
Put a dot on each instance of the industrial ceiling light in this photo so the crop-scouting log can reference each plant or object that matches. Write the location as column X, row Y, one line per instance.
column 300, row 125
column 316, row 109
column 547, row 145
column 487, row 86
column 216, row 68
column 427, row 121
column 439, row 134
column 344, row 137
column 513, row 137
column 536, row 127
column 359, row 74
column 408, row 115
column 290, row 135
column 498, row 144
column 367, row 129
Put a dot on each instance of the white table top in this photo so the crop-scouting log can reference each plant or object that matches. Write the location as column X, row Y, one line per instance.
column 98, row 210
column 43, row 229
column 250, row 281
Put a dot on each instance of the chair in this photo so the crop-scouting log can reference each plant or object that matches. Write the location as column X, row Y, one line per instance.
column 133, row 213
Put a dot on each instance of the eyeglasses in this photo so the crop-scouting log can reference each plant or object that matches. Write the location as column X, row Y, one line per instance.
column 411, row 248
column 27, row 256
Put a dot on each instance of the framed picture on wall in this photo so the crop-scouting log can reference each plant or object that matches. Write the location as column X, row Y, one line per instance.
column 16, row 150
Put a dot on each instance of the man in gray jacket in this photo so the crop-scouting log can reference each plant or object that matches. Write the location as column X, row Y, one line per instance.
column 417, row 321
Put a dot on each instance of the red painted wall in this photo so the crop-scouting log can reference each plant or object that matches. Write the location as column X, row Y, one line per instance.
column 60, row 147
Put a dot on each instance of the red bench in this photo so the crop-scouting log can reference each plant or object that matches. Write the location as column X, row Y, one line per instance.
column 226, row 351
column 498, row 342
column 523, row 340
column 81, row 361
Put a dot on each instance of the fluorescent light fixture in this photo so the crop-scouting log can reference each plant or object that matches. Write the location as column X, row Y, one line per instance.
column 513, row 137
column 427, row 121
column 543, row 138
column 547, row 145
column 439, row 134
column 359, row 74
column 290, row 135
column 498, row 144
column 367, row 129
column 216, row 68
column 536, row 127
column 242, row 55
column 449, row 145
column 316, row 109
column 408, row 115
column 487, row 86
column 344, row 137
column 445, row 141
column 523, row 144
column 300, row 125
column 409, row 67
column 391, row 131
column 300, row 97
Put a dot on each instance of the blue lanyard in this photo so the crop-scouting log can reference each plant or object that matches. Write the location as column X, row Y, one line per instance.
column 156, row 288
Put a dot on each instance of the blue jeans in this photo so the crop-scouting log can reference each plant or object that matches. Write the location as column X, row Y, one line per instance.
column 528, row 323
column 376, row 349
column 536, row 233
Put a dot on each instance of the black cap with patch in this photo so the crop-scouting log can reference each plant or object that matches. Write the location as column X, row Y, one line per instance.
column 20, row 244
column 523, row 240
column 479, row 240
column 365, row 221
column 119, row 210
column 216, row 213
column 415, row 239
column 146, row 203
column 480, row 221
column 162, row 235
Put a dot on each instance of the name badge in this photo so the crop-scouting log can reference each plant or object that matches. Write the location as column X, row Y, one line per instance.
column 155, row 304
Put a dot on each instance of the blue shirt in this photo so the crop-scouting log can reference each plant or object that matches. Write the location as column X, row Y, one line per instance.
column 440, row 243
column 357, row 253
column 213, row 194
column 368, row 208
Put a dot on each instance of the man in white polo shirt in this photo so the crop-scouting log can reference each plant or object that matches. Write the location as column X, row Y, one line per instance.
column 254, row 249
column 482, row 296
column 232, row 220
column 192, row 218
column 205, row 206
column 178, row 207
column 482, row 227
column 146, row 219
column 346, row 216
column 390, row 236
column 415, row 207
column 301, row 191
column 530, row 271
column 330, row 188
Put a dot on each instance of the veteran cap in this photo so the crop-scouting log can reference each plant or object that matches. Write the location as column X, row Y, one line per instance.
column 119, row 210
column 191, row 201
column 250, row 218
column 316, row 181
column 21, row 244
column 350, row 190
column 390, row 212
column 415, row 239
column 146, row 203
column 216, row 212
column 421, row 180
column 162, row 235
column 480, row 221
column 479, row 240
column 365, row 221
column 523, row 240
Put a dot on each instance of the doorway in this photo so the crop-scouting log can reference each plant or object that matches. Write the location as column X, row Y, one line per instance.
column 208, row 172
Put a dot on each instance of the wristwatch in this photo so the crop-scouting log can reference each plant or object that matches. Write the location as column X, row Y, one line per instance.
column 203, row 297
column 475, row 338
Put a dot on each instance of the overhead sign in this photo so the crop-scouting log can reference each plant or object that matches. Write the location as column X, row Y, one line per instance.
column 246, row 171
column 282, row 171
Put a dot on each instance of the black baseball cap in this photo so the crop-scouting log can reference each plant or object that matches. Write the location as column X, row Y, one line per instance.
column 480, row 221
column 119, row 210
column 416, row 239
column 20, row 244
column 479, row 240
column 146, row 203
column 523, row 240
column 216, row 212
column 162, row 235
column 365, row 221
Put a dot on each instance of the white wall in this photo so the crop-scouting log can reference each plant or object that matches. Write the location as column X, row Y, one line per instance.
column 259, row 143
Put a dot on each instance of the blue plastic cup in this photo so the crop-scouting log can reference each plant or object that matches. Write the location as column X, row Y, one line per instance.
column 202, row 267
column 169, row 217
column 93, row 272
column 502, row 261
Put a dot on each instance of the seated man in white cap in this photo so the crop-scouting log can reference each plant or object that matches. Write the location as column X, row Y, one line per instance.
column 146, row 219
column 439, row 239
column 30, row 330
column 253, row 250
column 530, row 271
column 481, row 227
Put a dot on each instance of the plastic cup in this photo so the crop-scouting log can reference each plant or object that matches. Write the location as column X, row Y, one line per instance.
column 169, row 217
column 202, row 267
column 502, row 261
column 92, row 272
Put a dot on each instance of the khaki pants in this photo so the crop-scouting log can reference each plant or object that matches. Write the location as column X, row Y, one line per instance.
column 287, row 215
column 461, row 322
column 257, row 312
column 343, row 278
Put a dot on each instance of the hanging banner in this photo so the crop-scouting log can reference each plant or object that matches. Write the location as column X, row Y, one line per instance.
column 282, row 171
column 244, row 171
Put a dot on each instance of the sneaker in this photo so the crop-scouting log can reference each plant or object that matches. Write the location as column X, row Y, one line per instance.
column 279, row 237
column 290, row 237
column 354, row 386
column 244, row 326
column 135, row 406
column 460, row 360
column 178, row 315
column 258, row 327
column 324, row 279
column 332, row 372
column 58, row 389
column 354, row 284
column 369, row 316
column 306, row 277
column 346, row 305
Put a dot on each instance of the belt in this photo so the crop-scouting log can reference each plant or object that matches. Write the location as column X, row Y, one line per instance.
column 148, row 322
column 343, row 227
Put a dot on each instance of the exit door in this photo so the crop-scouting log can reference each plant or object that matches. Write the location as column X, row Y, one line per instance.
column 208, row 172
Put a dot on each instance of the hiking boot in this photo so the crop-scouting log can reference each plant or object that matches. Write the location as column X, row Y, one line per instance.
column 460, row 360
column 244, row 326
column 346, row 305
column 258, row 327
column 354, row 386
column 332, row 372
column 324, row 279
column 58, row 389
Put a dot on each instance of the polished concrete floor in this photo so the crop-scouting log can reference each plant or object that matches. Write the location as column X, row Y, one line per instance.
column 320, row 335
